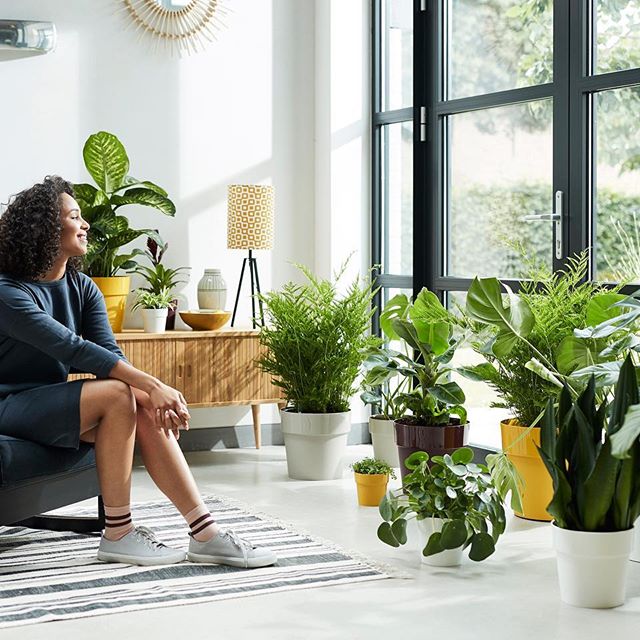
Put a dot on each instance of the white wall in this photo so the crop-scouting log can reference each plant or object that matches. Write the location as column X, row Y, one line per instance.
column 280, row 98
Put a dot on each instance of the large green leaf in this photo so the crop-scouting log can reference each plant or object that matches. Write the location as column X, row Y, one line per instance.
column 454, row 534
column 85, row 194
column 130, row 181
column 625, row 437
column 147, row 198
column 399, row 530
column 106, row 160
column 605, row 373
column 386, row 535
column 574, row 353
column 428, row 308
column 449, row 393
column 482, row 546
column 546, row 374
column 434, row 544
column 397, row 307
column 601, row 308
column 485, row 305
column 483, row 372
column 599, row 488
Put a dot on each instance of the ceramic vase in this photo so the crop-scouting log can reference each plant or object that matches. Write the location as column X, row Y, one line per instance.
column 212, row 290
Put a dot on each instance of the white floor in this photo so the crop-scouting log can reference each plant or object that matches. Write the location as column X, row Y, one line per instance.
column 513, row 594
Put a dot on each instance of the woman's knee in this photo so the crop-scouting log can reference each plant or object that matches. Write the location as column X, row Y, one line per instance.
column 105, row 396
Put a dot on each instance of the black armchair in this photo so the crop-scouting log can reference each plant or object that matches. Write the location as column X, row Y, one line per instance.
column 35, row 479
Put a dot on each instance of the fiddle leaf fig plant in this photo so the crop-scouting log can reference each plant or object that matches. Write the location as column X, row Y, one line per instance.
column 454, row 489
column 108, row 164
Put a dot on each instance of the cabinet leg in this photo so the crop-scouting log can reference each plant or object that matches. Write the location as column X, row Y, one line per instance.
column 255, row 411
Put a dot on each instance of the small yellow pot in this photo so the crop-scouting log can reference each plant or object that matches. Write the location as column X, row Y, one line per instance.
column 115, row 291
column 538, row 490
column 371, row 488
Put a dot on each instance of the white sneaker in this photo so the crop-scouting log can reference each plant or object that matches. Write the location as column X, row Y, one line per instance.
column 139, row 546
column 228, row 548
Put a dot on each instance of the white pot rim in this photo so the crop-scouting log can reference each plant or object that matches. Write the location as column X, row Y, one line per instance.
column 302, row 413
column 590, row 533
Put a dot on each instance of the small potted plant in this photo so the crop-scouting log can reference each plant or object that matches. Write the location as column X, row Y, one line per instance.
column 155, row 307
column 437, row 422
column 159, row 277
column 592, row 453
column 456, row 506
column 372, row 477
column 314, row 340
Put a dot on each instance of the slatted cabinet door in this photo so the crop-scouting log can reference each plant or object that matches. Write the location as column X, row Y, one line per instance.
column 156, row 357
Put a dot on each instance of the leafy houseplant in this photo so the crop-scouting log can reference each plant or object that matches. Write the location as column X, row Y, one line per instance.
column 159, row 277
column 432, row 333
column 524, row 339
column 593, row 456
column 455, row 503
column 155, row 307
column 372, row 477
column 313, row 341
column 108, row 164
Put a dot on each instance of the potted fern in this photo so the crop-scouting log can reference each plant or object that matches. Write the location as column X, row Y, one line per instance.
column 155, row 307
column 592, row 453
column 525, row 338
column 108, row 164
column 372, row 477
column 314, row 340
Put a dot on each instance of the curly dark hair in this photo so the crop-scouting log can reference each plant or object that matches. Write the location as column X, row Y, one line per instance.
column 30, row 230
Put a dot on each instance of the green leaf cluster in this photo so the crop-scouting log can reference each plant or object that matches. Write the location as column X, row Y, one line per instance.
column 372, row 466
column 157, row 276
column 429, row 334
column 454, row 489
column 528, row 338
column 314, row 340
column 592, row 453
column 108, row 164
column 151, row 300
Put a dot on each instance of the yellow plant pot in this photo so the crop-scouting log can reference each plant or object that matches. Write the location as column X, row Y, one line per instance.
column 371, row 488
column 115, row 291
column 538, row 488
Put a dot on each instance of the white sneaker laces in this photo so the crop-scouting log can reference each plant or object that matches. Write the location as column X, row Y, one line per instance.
column 145, row 535
column 244, row 545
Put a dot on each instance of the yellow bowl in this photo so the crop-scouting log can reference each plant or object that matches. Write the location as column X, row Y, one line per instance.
column 205, row 320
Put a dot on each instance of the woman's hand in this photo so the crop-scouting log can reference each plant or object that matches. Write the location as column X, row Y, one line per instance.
column 169, row 408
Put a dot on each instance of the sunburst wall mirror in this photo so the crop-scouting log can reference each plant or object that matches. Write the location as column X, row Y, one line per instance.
column 182, row 26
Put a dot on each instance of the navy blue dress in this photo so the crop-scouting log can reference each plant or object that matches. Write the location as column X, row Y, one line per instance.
column 48, row 329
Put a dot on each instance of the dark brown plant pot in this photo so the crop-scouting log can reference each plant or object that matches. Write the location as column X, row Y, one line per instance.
column 436, row 440
column 171, row 316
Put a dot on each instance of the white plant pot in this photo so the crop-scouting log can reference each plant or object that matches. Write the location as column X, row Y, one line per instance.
column 315, row 444
column 448, row 558
column 592, row 567
column 635, row 550
column 154, row 320
column 384, row 441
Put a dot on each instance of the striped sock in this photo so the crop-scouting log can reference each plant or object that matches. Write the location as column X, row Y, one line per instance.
column 117, row 522
column 203, row 526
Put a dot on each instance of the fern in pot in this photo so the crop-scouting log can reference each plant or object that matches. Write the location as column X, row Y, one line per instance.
column 314, row 339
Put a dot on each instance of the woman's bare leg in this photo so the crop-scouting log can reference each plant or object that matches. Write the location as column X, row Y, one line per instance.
column 165, row 461
column 108, row 418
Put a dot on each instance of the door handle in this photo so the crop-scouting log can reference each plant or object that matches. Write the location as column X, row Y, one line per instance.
column 556, row 217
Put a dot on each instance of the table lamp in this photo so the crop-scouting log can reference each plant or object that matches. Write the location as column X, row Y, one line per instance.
column 250, row 226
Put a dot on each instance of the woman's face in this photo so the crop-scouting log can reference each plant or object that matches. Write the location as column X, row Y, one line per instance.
column 73, row 240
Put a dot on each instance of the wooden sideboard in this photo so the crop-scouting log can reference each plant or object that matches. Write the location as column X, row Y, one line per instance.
column 210, row 368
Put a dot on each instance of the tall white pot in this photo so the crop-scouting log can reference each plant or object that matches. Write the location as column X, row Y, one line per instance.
column 448, row 558
column 154, row 320
column 384, row 441
column 592, row 567
column 315, row 443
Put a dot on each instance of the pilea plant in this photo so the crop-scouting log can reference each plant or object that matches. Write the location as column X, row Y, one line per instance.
column 450, row 487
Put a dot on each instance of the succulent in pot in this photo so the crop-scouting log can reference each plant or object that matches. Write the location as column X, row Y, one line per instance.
column 313, row 341
column 592, row 452
column 456, row 505
column 430, row 334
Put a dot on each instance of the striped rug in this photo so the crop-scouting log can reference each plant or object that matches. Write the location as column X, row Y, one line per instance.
column 47, row 575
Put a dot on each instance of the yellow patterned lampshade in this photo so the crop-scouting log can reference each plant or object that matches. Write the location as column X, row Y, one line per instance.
column 250, row 216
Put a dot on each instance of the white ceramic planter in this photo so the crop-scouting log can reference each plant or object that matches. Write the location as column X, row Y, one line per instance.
column 384, row 441
column 448, row 558
column 212, row 290
column 592, row 567
column 315, row 443
column 635, row 550
column 154, row 320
